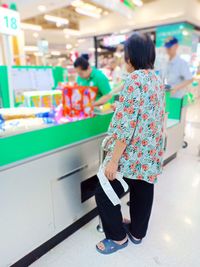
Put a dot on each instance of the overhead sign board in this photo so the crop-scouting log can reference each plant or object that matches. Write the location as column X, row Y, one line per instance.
column 9, row 21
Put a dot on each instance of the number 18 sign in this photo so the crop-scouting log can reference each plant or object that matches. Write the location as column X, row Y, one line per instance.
column 9, row 21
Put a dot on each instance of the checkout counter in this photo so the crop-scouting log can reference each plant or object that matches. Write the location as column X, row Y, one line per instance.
column 48, row 178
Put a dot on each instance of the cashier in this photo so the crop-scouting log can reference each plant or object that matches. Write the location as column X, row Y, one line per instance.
column 90, row 76
column 177, row 73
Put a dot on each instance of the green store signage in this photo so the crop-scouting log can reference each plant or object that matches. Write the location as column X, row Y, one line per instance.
column 182, row 31
column 128, row 3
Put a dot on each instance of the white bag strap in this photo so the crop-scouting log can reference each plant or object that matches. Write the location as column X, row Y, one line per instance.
column 107, row 188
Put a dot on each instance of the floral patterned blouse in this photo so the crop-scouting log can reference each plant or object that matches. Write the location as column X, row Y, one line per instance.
column 139, row 122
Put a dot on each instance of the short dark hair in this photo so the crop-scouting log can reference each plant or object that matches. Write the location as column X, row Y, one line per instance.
column 140, row 51
column 82, row 63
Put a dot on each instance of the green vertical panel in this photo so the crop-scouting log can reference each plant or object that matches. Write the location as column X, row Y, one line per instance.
column 23, row 146
column 58, row 74
column 4, row 89
column 175, row 106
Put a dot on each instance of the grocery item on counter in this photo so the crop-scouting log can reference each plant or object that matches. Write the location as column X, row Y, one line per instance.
column 17, row 126
column 78, row 100
column 22, row 113
column 46, row 99
column 104, row 109
column 18, row 120
column 77, row 105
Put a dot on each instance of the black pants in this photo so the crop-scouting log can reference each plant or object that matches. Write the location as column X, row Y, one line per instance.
column 141, row 200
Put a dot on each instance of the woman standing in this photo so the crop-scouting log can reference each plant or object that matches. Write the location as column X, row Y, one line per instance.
column 135, row 147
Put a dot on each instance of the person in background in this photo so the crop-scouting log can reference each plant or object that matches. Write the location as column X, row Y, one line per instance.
column 135, row 143
column 177, row 73
column 90, row 76
column 116, row 72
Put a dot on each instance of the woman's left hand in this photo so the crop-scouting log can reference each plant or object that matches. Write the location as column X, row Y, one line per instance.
column 111, row 170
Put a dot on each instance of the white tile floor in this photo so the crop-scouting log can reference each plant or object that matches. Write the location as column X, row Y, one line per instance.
column 174, row 234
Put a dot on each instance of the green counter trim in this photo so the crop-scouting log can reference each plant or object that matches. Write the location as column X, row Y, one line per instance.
column 26, row 145
column 23, row 146
column 4, row 87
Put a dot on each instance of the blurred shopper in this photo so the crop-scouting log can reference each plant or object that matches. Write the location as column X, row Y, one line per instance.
column 135, row 147
column 177, row 72
column 116, row 72
column 90, row 76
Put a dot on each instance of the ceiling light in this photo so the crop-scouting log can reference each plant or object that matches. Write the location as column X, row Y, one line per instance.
column 72, row 32
column 33, row 27
column 167, row 237
column 38, row 54
column 125, row 31
column 68, row 46
column 88, row 13
column 30, row 48
column 105, row 13
column 42, row 8
column 185, row 33
column 77, row 3
column 99, row 10
column 81, row 41
column 36, row 35
column 59, row 20
column 58, row 24
column 92, row 49
column 90, row 7
column 138, row 3
column 55, row 53
column 187, row 220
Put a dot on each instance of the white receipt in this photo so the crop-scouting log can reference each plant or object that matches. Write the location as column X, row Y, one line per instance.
column 107, row 188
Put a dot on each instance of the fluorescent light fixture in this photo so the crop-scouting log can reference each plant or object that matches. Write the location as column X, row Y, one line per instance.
column 188, row 221
column 105, row 13
column 170, row 16
column 33, row 27
column 88, row 13
column 125, row 31
column 81, row 41
column 68, row 46
column 71, row 32
column 91, row 49
column 30, row 48
column 36, row 35
column 77, row 3
column 57, row 20
column 167, row 237
column 38, row 54
column 87, row 9
column 42, row 8
column 185, row 33
column 138, row 3
column 55, row 53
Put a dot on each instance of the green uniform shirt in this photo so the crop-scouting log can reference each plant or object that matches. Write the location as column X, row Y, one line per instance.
column 97, row 79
